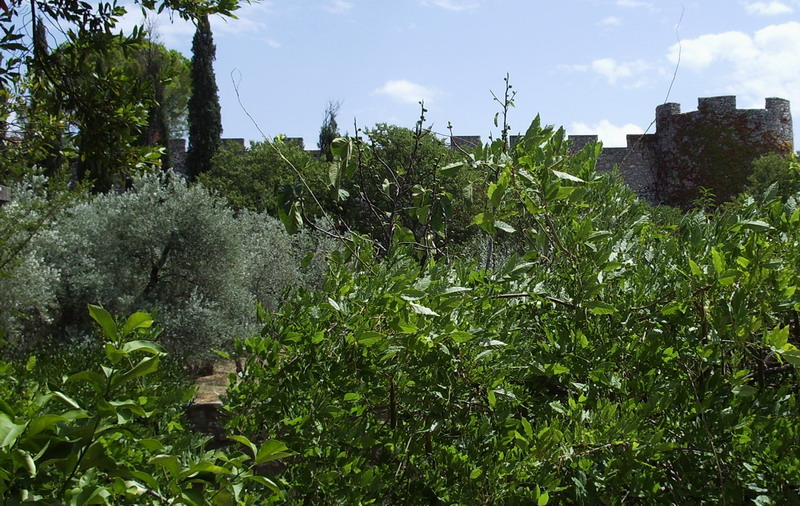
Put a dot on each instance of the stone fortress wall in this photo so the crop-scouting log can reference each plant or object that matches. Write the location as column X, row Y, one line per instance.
column 713, row 147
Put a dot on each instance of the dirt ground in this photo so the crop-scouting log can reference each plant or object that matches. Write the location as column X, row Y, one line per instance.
column 209, row 388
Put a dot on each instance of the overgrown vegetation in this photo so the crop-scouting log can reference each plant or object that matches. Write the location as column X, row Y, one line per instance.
column 493, row 326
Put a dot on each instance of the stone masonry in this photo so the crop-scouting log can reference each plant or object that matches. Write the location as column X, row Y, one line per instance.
column 713, row 147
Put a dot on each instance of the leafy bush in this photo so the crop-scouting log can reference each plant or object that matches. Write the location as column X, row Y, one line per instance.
column 631, row 355
column 113, row 446
column 251, row 178
column 171, row 249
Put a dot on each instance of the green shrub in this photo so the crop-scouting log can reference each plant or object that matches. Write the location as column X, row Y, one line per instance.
column 631, row 355
column 167, row 248
column 119, row 443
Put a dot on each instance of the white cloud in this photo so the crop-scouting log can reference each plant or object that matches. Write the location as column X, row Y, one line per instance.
column 338, row 6
column 452, row 5
column 753, row 66
column 614, row 71
column 610, row 21
column 610, row 134
column 768, row 8
column 405, row 91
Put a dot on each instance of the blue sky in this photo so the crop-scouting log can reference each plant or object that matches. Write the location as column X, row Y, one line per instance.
column 593, row 66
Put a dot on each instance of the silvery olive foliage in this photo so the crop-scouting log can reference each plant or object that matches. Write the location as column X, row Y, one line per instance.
column 168, row 248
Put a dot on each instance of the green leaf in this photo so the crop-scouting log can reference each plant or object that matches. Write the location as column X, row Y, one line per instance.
column 148, row 346
column 204, row 466
column 492, row 398
column 352, row 396
column 334, row 304
column 756, row 225
column 422, row 310
column 9, row 431
column 600, row 308
column 505, row 227
column 24, row 458
column 526, row 426
column 778, row 337
column 543, row 499
column 44, row 422
column 262, row 480
column 246, row 442
column 151, row 445
column 476, row 473
column 452, row 169
column 272, row 450
column 145, row 366
column 169, row 462
column 744, row 391
column 369, row 337
column 568, row 177
column 94, row 378
column 138, row 320
column 696, row 270
column 717, row 261
column 460, row 336
column 105, row 320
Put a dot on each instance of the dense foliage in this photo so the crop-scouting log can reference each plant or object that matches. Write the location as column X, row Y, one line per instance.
column 631, row 354
column 252, row 177
column 205, row 117
column 117, row 442
column 162, row 246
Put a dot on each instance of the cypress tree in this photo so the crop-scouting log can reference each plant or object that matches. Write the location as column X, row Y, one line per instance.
column 329, row 131
column 205, row 119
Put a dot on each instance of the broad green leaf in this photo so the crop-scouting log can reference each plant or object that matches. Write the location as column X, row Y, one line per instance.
column 138, row 320
column 352, row 396
column 505, row 227
column 43, row 422
column 169, row 462
column 148, row 346
column 568, row 177
column 460, row 336
column 744, row 391
column 246, row 442
column 262, row 480
column 476, row 473
column 204, row 467
column 105, row 320
column 526, row 426
column 778, row 337
column 272, row 450
column 9, row 431
column 452, row 169
column 422, row 310
column 145, row 366
column 600, row 308
column 756, row 225
column 24, row 460
column 696, row 270
column 94, row 378
column 492, row 398
column 369, row 337
column 543, row 499
column 151, row 445
column 717, row 261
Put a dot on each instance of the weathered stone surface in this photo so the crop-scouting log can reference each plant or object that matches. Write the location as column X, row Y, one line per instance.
column 713, row 147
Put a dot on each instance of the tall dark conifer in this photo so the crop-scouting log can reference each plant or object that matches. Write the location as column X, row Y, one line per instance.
column 205, row 119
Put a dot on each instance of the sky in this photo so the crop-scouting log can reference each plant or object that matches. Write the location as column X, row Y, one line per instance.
column 592, row 66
